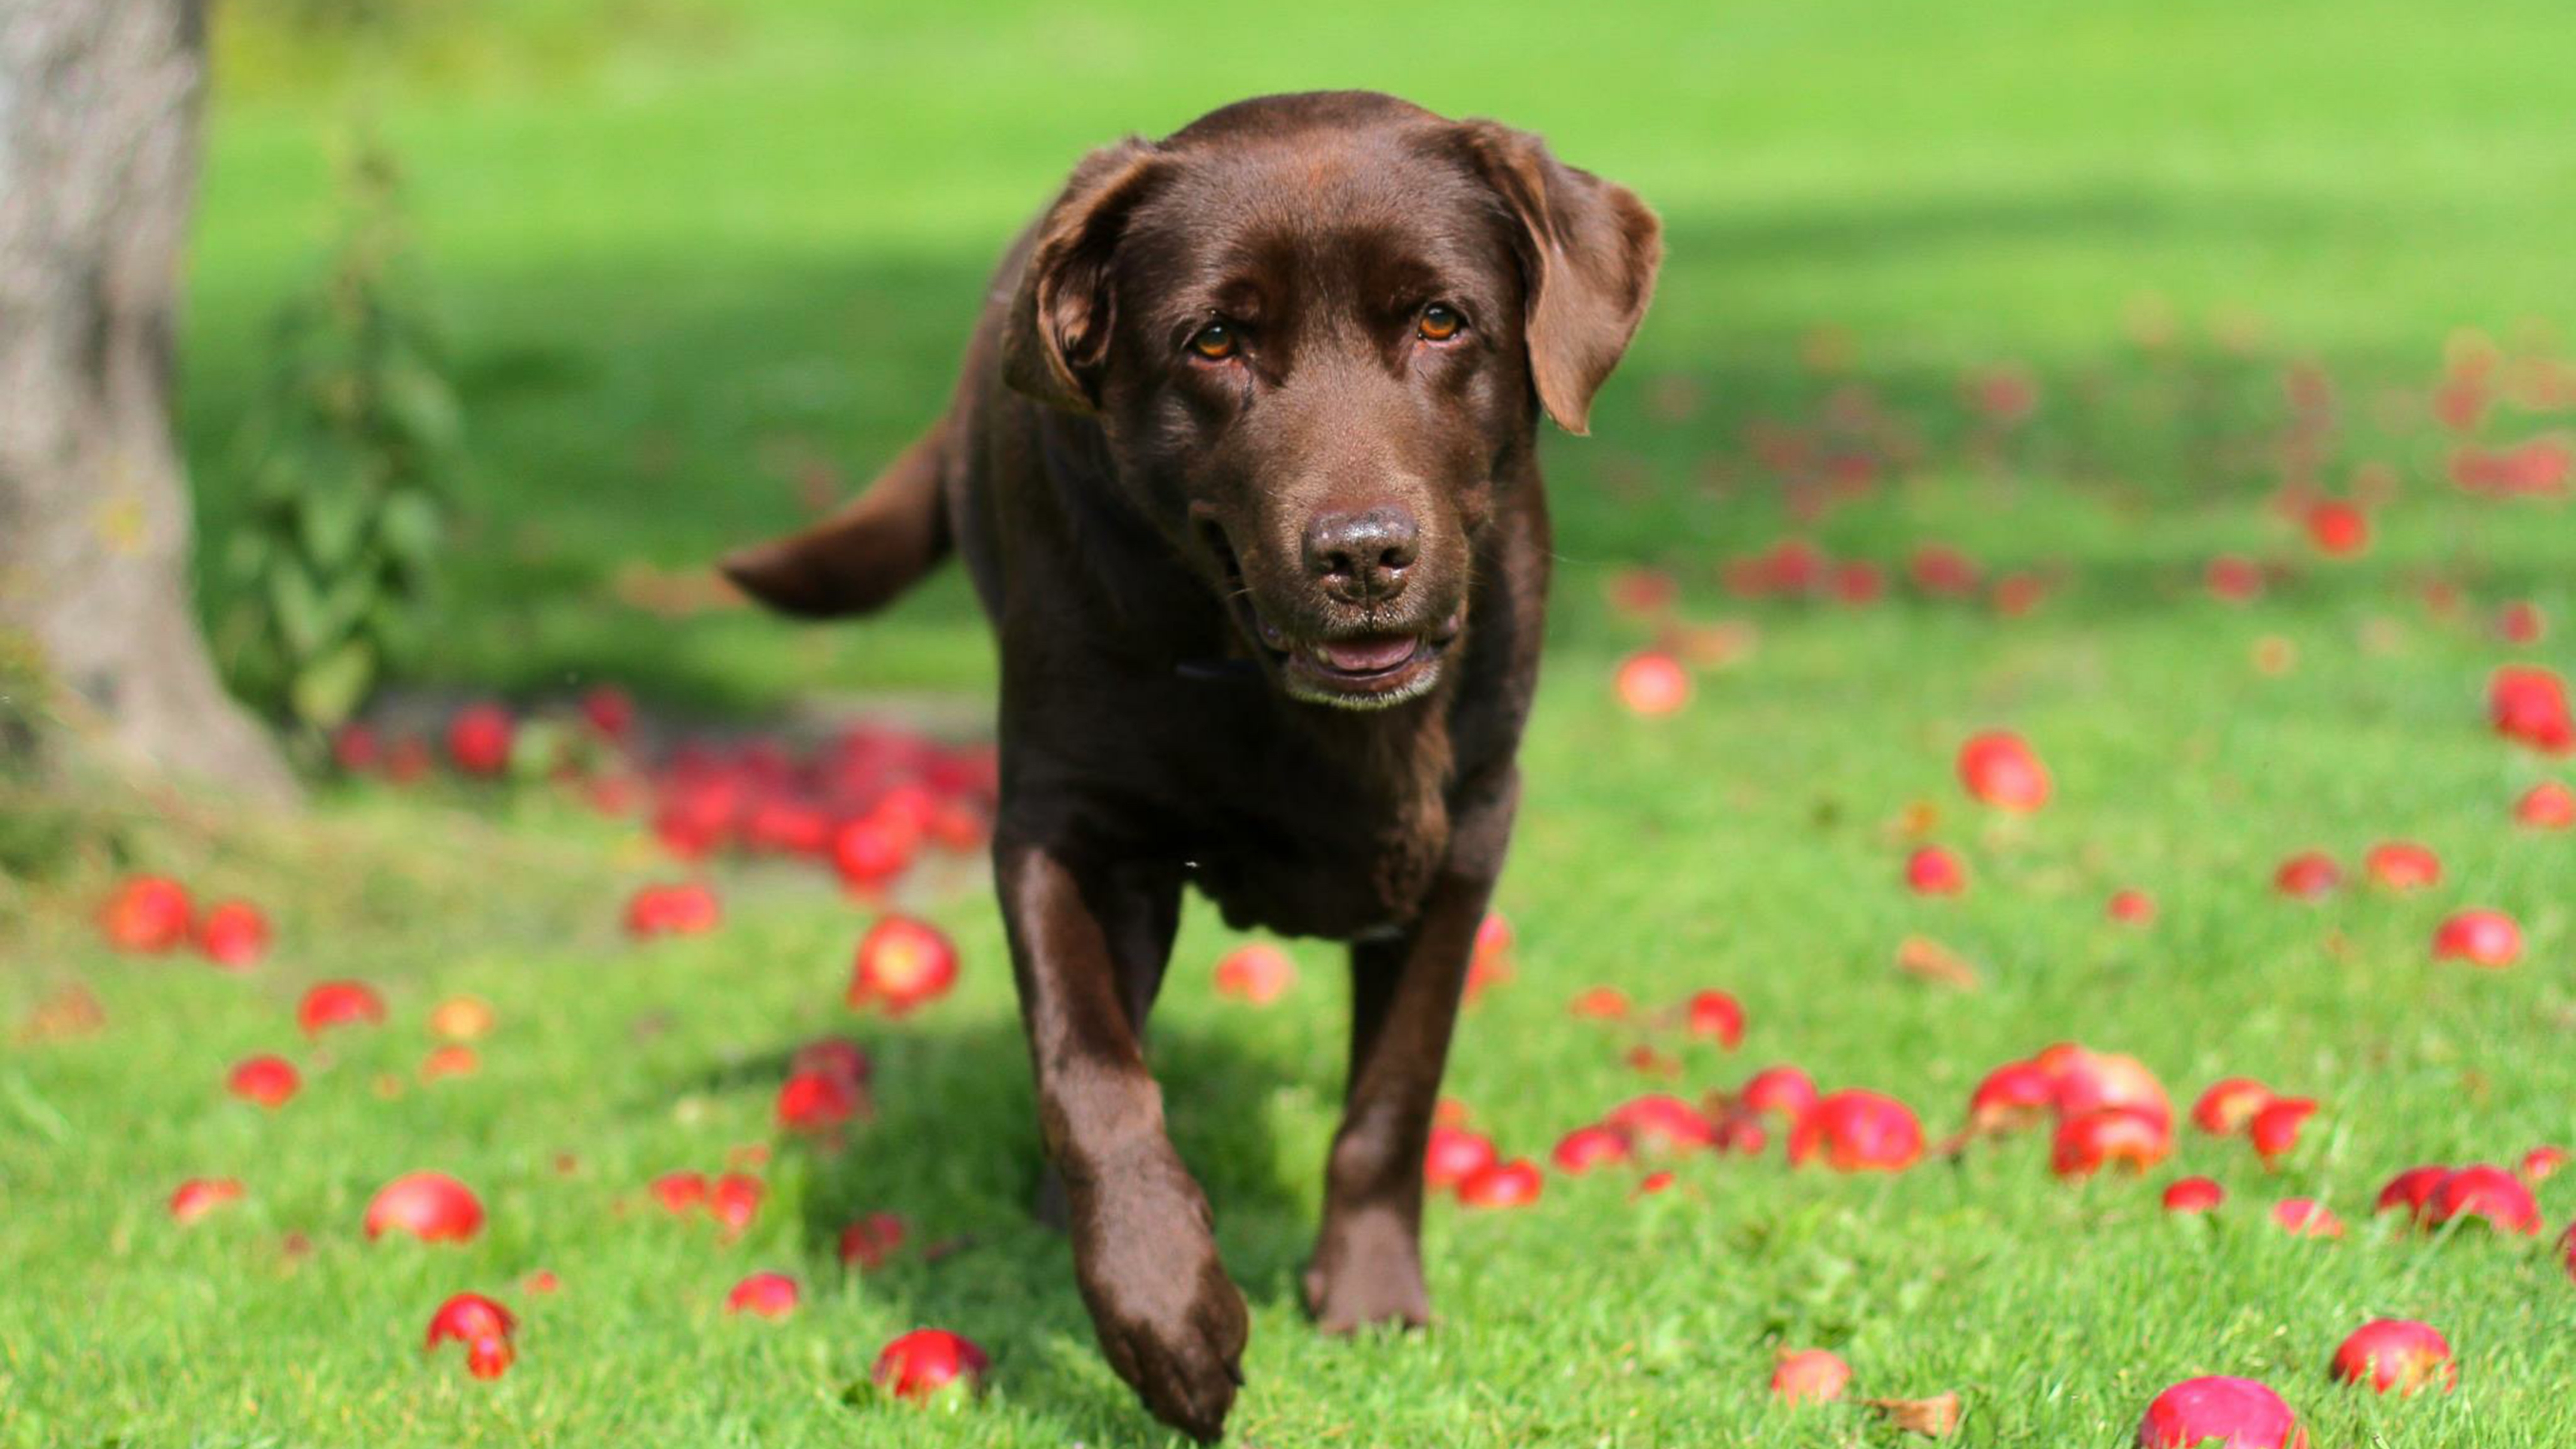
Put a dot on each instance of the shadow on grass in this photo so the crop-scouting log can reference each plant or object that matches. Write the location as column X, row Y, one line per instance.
column 954, row 1151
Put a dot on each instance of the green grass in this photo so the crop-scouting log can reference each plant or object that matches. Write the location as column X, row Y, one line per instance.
column 686, row 263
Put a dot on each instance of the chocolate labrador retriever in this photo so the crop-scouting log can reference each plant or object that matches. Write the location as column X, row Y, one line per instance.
column 1242, row 464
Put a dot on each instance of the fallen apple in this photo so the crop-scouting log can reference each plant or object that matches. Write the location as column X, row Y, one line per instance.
column 1453, row 1155
column 2309, row 875
column 2274, row 1130
column 680, row 1193
column 2304, row 1217
column 1652, row 683
column 2104, row 1137
column 1715, row 1016
column 233, row 935
column 2402, row 865
column 1600, row 1003
column 2131, row 907
column 460, row 1018
column 873, row 849
column 763, row 1295
column 1933, row 871
column 339, row 1003
column 2012, row 1096
column 871, row 1242
column 2488, row 1194
column 2542, row 1163
column 268, row 1081
column 1660, row 1124
column 2193, row 1195
column 734, row 1200
column 921, row 1363
column 198, row 1196
column 2528, row 704
column 479, row 739
column 453, row 1059
column 2338, row 529
column 147, row 913
column 2480, row 938
column 1259, row 973
column 482, row 1325
column 2411, row 1191
column 816, row 1102
column 1780, row 1091
column 1586, row 1148
column 1858, row 1131
column 1809, row 1376
column 686, row 909
column 2001, row 769
column 2231, row 1413
column 2399, row 1355
column 1513, row 1183
column 2548, row 805
column 2229, row 1104
column 430, row 1206
column 902, row 964
column 2089, row 1081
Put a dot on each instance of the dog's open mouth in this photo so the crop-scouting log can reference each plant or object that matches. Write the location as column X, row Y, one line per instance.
column 1366, row 669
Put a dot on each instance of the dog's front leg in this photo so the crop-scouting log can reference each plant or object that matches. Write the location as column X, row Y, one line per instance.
column 1367, row 1266
column 1169, row 1321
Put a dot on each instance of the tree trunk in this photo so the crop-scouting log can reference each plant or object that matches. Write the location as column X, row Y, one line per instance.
column 98, row 163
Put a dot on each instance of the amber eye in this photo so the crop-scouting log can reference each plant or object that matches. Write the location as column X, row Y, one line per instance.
column 1216, row 342
column 1439, row 323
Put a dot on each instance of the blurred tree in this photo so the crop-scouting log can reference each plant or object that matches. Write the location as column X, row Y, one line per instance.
column 98, row 161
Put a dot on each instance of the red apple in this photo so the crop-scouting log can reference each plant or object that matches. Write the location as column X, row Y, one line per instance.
column 1652, row 683
column 687, row 909
column 2228, row 1412
column 2308, row 876
column 2305, row 1217
column 479, row 739
column 2109, row 1137
column 2488, row 1193
column 2338, row 529
column 1660, row 1124
column 2274, row 1130
column 2548, row 805
column 835, row 1056
column 1779, row 1091
column 1858, row 1131
column 1716, row 1016
column 872, row 849
column 2088, row 1081
column 1259, row 973
column 1453, row 1155
column 902, row 964
column 233, row 935
column 454, row 1059
column 542, row 1280
column 609, row 710
column 2001, row 769
column 2480, row 938
column 269, row 1081
column 1809, row 1376
column 2193, row 1195
column 1600, row 1003
column 339, row 1003
column 2528, row 704
column 1515, row 1183
column 872, row 1241
column 815, row 1102
column 763, row 1295
column 430, row 1206
column 1586, row 1148
column 734, row 1199
column 2402, row 865
column 199, row 1196
column 680, row 1193
column 925, row 1361
column 482, row 1325
column 2396, row 1354
column 2411, row 1191
column 2229, row 1104
column 2131, row 907
column 2542, row 1163
column 2014, row 1095
column 148, row 913
column 1933, row 871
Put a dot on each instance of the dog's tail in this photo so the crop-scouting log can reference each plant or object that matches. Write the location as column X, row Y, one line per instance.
column 857, row 560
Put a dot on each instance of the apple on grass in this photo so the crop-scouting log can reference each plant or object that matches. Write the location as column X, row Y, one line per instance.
column 198, row 1196
column 1516, row 1183
column 921, row 1364
column 902, row 965
column 147, row 914
column 266, row 1080
column 1809, row 1376
column 871, row 1242
column 339, row 1003
column 233, row 935
column 430, row 1206
column 2232, row 1413
column 482, row 1325
column 763, row 1295
column 2193, row 1195
column 2396, row 1355
column 2000, row 769
column 1453, row 1155
column 1259, row 973
column 1858, row 1131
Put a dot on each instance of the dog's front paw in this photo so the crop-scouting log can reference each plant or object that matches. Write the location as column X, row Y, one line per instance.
column 1367, row 1270
column 1170, row 1322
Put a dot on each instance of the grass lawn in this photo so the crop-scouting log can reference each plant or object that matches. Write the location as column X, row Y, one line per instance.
column 692, row 269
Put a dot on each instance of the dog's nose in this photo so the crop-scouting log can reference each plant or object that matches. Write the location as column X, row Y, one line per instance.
column 1363, row 556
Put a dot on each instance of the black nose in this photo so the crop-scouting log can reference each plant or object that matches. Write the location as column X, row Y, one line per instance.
column 1362, row 556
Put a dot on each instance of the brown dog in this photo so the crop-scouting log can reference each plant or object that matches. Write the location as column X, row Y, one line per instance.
column 1242, row 463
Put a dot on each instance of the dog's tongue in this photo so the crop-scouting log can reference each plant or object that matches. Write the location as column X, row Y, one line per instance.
column 1368, row 654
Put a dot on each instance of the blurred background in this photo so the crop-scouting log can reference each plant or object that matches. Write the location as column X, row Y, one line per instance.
column 694, row 268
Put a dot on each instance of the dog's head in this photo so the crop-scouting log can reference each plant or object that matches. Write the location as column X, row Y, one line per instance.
column 1316, row 329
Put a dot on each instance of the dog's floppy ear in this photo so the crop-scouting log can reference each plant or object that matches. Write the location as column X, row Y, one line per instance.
column 1057, row 336
column 1589, row 250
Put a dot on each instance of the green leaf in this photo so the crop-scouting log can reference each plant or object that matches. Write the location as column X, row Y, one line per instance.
column 329, row 690
column 332, row 519
column 410, row 526
column 298, row 607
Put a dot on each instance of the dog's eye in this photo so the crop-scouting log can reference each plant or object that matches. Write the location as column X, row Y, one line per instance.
column 1216, row 342
column 1439, row 323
